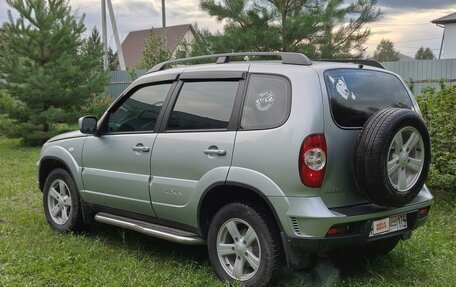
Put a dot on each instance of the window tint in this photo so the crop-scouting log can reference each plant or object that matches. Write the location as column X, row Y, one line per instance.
column 357, row 94
column 267, row 102
column 203, row 105
column 140, row 111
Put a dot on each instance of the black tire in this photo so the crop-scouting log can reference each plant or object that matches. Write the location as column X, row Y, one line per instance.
column 380, row 247
column 74, row 220
column 372, row 151
column 267, row 235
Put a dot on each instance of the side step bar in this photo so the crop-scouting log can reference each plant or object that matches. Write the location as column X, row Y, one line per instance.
column 151, row 229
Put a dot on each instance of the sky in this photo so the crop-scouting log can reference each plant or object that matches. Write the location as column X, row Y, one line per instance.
column 405, row 22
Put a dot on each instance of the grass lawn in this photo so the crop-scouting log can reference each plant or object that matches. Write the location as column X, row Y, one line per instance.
column 32, row 254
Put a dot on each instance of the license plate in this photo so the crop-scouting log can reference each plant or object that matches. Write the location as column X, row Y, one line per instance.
column 388, row 225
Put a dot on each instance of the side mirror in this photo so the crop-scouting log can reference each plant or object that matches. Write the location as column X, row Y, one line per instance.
column 88, row 125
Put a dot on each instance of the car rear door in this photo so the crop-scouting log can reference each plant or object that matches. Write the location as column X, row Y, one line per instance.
column 352, row 95
column 196, row 142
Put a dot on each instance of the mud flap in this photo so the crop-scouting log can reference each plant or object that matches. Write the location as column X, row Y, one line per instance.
column 295, row 260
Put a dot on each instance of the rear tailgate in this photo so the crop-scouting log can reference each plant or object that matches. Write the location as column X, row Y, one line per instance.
column 351, row 96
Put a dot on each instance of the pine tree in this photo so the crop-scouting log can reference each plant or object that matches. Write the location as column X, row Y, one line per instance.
column 112, row 59
column 154, row 51
column 202, row 44
column 320, row 29
column 343, row 39
column 92, row 46
column 424, row 54
column 385, row 52
column 248, row 27
column 49, row 70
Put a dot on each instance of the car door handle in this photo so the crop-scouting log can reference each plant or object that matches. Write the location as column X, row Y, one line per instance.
column 215, row 151
column 140, row 148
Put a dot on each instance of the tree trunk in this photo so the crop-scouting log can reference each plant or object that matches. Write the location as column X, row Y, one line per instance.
column 284, row 32
column 45, row 125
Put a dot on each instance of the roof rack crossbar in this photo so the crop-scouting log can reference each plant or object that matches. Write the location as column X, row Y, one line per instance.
column 287, row 58
column 371, row 63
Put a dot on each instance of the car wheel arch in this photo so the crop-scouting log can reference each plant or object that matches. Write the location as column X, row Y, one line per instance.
column 47, row 165
column 222, row 193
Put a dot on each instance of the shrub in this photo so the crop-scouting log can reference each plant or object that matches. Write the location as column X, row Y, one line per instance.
column 97, row 105
column 438, row 109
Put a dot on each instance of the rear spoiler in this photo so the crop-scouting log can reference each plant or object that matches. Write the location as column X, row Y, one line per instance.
column 371, row 63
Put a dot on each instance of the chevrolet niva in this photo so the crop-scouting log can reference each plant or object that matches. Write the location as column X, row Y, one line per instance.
column 262, row 160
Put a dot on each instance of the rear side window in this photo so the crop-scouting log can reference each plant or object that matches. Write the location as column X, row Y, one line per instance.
column 356, row 94
column 203, row 105
column 267, row 102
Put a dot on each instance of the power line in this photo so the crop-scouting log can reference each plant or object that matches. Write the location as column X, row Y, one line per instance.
column 403, row 24
column 415, row 47
column 422, row 39
column 89, row 5
column 410, row 40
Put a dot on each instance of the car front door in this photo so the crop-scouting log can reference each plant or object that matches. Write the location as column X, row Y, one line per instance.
column 116, row 163
column 195, row 143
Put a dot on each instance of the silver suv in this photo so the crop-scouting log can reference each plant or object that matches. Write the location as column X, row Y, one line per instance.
column 262, row 161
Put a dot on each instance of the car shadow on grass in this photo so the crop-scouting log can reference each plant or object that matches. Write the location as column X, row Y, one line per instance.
column 323, row 271
column 147, row 246
column 339, row 269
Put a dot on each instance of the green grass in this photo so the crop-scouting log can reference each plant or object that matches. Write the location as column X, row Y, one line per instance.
column 32, row 254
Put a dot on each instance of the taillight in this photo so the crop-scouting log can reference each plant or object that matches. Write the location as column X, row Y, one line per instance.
column 312, row 160
column 338, row 229
column 423, row 212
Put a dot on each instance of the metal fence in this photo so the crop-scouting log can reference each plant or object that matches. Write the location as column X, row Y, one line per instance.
column 417, row 73
column 121, row 79
column 425, row 73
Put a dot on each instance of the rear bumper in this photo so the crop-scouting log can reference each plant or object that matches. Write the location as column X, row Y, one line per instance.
column 298, row 249
column 309, row 217
column 308, row 220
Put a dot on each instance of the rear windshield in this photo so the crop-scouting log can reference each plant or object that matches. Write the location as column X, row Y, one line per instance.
column 357, row 94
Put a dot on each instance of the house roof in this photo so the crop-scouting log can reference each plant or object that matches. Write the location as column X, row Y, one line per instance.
column 133, row 45
column 451, row 18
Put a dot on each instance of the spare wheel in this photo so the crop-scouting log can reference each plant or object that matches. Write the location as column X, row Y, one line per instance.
column 392, row 156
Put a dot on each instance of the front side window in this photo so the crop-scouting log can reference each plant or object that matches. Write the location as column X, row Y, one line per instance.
column 203, row 105
column 140, row 111
column 356, row 94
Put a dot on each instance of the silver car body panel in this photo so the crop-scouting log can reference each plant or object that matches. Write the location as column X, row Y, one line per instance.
column 68, row 151
column 115, row 175
column 181, row 171
column 68, row 135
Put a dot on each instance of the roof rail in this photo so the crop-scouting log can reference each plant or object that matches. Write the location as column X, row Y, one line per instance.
column 372, row 63
column 287, row 58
